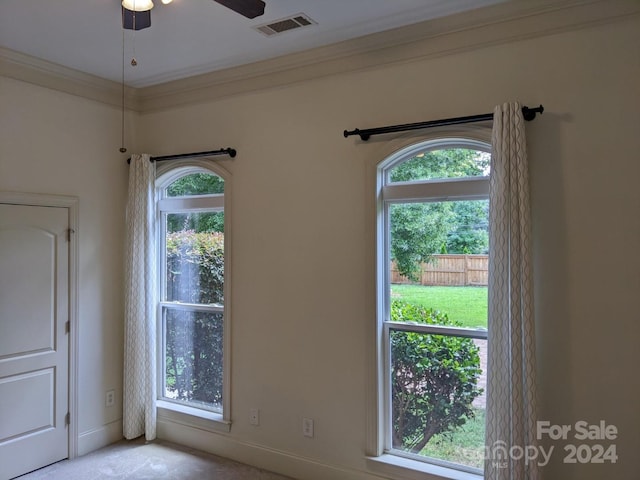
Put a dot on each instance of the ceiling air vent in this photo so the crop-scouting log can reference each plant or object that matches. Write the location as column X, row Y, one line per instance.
column 285, row 24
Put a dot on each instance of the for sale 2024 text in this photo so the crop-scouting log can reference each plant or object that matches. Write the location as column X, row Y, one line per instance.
column 581, row 431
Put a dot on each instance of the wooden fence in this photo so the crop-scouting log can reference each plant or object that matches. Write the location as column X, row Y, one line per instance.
column 450, row 270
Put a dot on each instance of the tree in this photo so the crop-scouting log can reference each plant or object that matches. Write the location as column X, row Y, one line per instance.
column 446, row 163
column 419, row 230
column 196, row 184
column 469, row 232
column 198, row 222
column 434, row 379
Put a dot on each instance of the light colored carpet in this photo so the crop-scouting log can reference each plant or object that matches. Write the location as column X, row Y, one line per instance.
column 137, row 460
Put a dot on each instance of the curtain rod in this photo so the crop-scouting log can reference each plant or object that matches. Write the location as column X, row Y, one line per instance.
column 528, row 114
column 223, row 151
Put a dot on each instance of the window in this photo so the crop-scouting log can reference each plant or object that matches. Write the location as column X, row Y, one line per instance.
column 192, row 290
column 432, row 308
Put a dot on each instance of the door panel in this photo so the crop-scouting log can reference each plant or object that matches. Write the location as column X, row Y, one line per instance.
column 27, row 278
column 40, row 402
column 34, row 345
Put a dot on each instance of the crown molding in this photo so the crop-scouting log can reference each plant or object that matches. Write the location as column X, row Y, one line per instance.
column 46, row 74
column 497, row 24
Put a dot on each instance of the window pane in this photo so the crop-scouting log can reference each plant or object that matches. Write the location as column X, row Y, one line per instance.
column 439, row 276
column 437, row 396
column 193, row 357
column 447, row 163
column 439, row 243
column 196, row 184
column 195, row 257
column 195, row 222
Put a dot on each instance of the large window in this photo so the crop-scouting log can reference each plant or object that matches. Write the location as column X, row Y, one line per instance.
column 192, row 289
column 432, row 313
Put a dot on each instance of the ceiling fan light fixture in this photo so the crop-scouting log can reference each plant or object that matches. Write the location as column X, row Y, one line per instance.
column 137, row 5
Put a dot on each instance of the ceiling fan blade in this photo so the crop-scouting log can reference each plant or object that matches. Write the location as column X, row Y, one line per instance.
column 247, row 8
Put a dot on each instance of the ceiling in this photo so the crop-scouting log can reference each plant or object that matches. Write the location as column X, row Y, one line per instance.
column 190, row 37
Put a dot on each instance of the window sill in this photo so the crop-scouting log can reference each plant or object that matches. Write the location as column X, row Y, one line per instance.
column 400, row 467
column 192, row 417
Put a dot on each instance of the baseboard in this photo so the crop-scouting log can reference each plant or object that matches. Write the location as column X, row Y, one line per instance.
column 259, row 456
column 99, row 437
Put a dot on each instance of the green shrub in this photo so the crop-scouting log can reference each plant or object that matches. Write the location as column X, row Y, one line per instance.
column 434, row 379
column 195, row 274
column 195, row 267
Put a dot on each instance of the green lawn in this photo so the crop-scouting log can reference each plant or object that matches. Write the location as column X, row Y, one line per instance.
column 465, row 445
column 468, row 305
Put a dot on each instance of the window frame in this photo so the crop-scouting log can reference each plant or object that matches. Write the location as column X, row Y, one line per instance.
column 387, row 194
column 209, row 419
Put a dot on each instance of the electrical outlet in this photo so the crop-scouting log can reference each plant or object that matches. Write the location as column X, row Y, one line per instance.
column 307, row 427
column 110, row 398
column 254, row 416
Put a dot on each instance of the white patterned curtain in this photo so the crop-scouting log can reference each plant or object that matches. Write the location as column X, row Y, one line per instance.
column 511, row 417
column 139, row 409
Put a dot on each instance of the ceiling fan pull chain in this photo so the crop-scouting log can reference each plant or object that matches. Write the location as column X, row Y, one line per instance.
column 134, row 62
column 123, row 149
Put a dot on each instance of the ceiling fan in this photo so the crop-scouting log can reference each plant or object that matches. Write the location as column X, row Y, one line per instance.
column 136, row 14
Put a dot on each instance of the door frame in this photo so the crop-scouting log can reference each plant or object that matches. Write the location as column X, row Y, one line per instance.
column 71, row 204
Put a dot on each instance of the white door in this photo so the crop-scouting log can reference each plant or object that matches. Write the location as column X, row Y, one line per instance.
column 34, row 344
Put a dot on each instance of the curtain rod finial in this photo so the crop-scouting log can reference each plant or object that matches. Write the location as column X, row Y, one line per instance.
column 529, row 113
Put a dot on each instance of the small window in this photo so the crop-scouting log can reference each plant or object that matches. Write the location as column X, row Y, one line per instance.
column 192, row 293
column 442, row 163
column 196, row 184
column 433, row 310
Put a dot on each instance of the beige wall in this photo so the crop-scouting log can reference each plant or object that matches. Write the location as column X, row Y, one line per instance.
column 55, row 143
column 303, row 209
